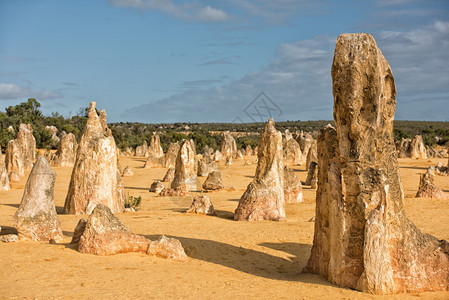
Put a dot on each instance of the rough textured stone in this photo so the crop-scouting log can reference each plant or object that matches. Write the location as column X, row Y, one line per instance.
column 176, row 192
column 264, row 196
column 142, row 150
column 79, row 230
column 154, row 162
column 157, row 186
column 417, row 148
column 217, row 156
column 228, row 147
column 170, row 156
column 54, row 135
column 202, row 169
column 185, row 175
column 65, row 156
column 239, row 154
column 427, row 187
column 36, row 217
column 13, row 177
column 292, row 187
column 155, row 149
column 311, row 173
column 168, row 248
column 96, row 176
column 292, row 153
column 127, row 172
column 363, row 239
column 249, row 151
column 202, row 205
column 21, row 152
column 9, row 238
column 4, row 178
column 213, row 181
column 228, row 161
column 403, row 148
column 305, row 141
column 311, row 155
column 169, row 176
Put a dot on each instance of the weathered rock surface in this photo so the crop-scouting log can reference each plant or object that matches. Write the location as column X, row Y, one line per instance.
column 249, row 151
column 154, row 162
column 202, row 205
column 176, row 192
column 311, row 173
column 127, row 172
column 13, row 177
column 54, row 135
column 292, row 187
column 157, row 186
column 36, row 217
column 21, row 152
column 363, row 239
column 185, row 175
column 142, row 150
column 311, row 155
column 65, row 156
column 155, row 149
column 427, row 187
column 305, row 141
column 239, row 154
column 217, row 156
column 79, row 230
column 292, row 153
column 96, row 176
column 9, row 238
column 104, row 234
column 4, row 178
column 417, row 148
column 169, row 176
column 228, row 147
column 264, row 196
column 213, row 181
column 170, row 156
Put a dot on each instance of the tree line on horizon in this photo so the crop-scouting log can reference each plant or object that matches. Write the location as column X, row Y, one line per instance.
column 132, row 134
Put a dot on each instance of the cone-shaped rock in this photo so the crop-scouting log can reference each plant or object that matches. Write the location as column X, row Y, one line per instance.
column 363, row 239
column 249, row 151
column 66, row 154
column 36, row 218
column 21, row 152
column 264, row 196
column 427, row 187
column 228, row 147
column 169, row 176
column 292, row 187
column 417, row 148
column 142, row 150
column 155, row 149
column 185, row 175
column 96, row 175
column 213, row 181
column 4, row 178
column 311, row 155
column 292, row 153
column 170, row 156
column 202, row 205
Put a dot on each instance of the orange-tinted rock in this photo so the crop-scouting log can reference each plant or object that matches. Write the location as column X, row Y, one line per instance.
column 249, row 151
column 78, row 232
column 170, row 156
column 292, row 153
column 96, row 176
column 264, row 196
column 176, row 192
column 155, row 148
column 168, row 248
column 311, row 155
column 363, row 239
column 427, row 187
column 417, row 148
column 21, row 152
column 202, row 205
column 292, row 187
column 127, row 172
column 228, row 147
column 157, row 186
column 4, row 178
column 65, row 156
column 142, row 150
column 36, row 217
column 13, row 177
column 169, row 176
column 217, row 156
column 154, row 162
column 213, row 181
column 311, row 173
column 185, row 175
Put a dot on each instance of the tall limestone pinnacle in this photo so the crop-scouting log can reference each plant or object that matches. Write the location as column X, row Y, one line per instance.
column 363, row 239
column 96, row 175
column 264, row 196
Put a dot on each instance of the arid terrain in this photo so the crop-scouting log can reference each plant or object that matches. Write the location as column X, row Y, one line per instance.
column 227, row 259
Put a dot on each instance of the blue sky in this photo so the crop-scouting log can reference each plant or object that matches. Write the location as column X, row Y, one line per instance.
column 158, row 61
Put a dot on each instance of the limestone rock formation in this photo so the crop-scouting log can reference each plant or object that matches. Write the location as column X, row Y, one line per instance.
column 54, row 135
column 104, row 234
column 155, row 149
column 79, row 230
column 65, row 156
column 36, row 217
column 264, row 196
column 363, row 239
column 127, row 172
column 21, row 152
column 427, row 187
column 217, row 156
column 292, row 153
column 157, row 186
column 13, row 177
column 239, row 154
column 249, row 151
column 203, row 168
column 154, row 162
column 185, row 175
column 403, row 148
column 228, row 161
column 142, row 150
column 169, row 176
column 292, row 187
column 192, row 143
column 4, row 178
column 213, row 182
column 170, row 156
column 417, row 148
column 228, row 147
column 176, row 192
column 311, row 173
column 202, row 205
column 311, row 155
column 305, row 141
column 96, row 176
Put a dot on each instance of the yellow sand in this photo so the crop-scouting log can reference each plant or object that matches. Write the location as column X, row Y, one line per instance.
column 228, row 259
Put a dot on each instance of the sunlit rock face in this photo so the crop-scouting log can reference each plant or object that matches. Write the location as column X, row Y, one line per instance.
column 363, row 239
column 185, row 174
column 21, row 152
column 96, row 175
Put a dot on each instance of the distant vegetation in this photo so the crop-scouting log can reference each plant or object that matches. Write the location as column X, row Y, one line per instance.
column 134, row 134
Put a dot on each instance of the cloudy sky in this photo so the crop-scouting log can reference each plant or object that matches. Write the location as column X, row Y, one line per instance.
column 158, row 61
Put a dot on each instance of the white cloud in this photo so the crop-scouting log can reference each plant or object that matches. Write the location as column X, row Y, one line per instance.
column 9, row 91
column 191, row 11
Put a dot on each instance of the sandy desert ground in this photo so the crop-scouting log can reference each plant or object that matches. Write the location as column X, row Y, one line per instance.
column 227, row 259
